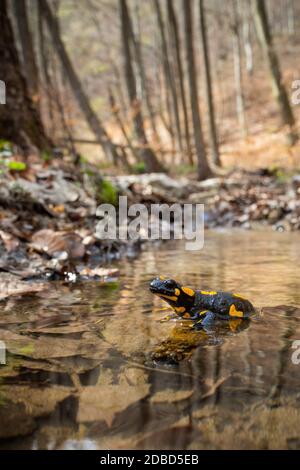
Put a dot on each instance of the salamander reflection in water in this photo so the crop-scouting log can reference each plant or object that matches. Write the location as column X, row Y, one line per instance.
column 183, row 340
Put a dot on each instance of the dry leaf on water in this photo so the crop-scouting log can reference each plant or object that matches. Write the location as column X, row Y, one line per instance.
column 171, row 396
column 47, row 347
column 12, row 285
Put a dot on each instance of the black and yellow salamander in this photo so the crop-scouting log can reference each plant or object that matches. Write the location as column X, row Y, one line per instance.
column 202, row 307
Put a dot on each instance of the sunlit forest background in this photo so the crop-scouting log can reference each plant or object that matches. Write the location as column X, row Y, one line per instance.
column 140, row 86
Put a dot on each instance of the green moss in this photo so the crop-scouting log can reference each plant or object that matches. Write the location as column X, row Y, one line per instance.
column 82, row 159
column 16, row 166
column 185, row 169
column 89, row 172
column 280, row 174
column 108, row 193
column 46, row 156
column 5, row 149
column 27, row 350
column 139, row 167
column 5, row 145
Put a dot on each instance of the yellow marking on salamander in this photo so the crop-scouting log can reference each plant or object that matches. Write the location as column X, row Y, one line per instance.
column 203, row 312
column 233, row 312
column 179, row 309
column 162, row 278
column 188, row 291
column 166, row 318
column 169, row 297
column 205, row 292
column 177, row 292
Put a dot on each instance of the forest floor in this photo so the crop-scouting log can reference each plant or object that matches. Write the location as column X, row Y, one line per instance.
column 48, row 221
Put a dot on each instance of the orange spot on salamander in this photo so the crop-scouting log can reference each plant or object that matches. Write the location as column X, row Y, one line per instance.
column 179, row 309
column 233, row 312
column 188, row 291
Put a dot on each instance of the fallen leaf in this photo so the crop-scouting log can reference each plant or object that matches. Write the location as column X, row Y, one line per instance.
column 171, row 396
column 47, row 347
column 12, row 285
column 51, row 242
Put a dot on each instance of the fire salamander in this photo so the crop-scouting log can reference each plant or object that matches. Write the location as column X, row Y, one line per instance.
column 202, row 307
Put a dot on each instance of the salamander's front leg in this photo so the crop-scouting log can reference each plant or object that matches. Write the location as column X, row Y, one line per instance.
column 203, row 319
column 169, row 317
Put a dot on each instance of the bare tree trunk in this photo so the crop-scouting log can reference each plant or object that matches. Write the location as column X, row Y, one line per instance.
column 163, row 100
column 248, row 50
column 151, row 162
column 83, row 102
column 20, row 120
column 27, row 50
column 204, row 170
column 238, row 74
column 168, row 72
column 115, row 111
column 46, row 82
column 145, row 94
column 177, row 47
column 111, row 61
column 208, row 88
column 291, row 16
column 279, row 91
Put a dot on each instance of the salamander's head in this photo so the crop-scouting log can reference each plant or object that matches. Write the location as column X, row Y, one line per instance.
column 181, row 298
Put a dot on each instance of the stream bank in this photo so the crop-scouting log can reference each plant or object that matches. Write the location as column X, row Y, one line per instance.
column 48, row 213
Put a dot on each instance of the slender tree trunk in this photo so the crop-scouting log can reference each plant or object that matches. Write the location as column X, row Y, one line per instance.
column 115, row 111
column 76, row 86
column 46, row 82
column 163, row 99
column 20, row 121
column 279, row 91
column 145, row 94
column 248, row 50
column 168, row 72
column 204, row 170
column 208, row 88
column 27, row 50
column 177, row 47
column 111, row 61
column 151, row 162
column 238, row 73
column 291, row 16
